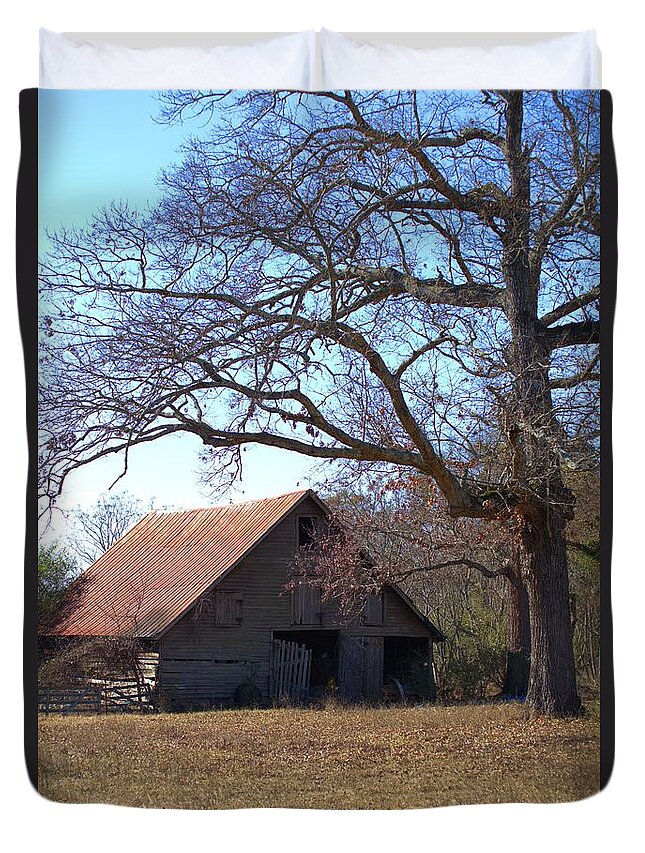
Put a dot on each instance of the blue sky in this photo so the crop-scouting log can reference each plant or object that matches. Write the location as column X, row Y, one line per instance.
column 100, row 146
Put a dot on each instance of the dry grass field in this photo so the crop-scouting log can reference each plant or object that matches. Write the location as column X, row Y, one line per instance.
column 336, row 758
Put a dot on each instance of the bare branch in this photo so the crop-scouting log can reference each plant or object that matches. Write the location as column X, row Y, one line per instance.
column 571, row 334
column 569, row 307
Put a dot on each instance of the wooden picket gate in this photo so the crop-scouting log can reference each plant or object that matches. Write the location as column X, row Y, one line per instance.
column 290, row 671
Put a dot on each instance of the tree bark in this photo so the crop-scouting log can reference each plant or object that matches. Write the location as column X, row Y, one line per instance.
column 552, row 683
column 518, row 654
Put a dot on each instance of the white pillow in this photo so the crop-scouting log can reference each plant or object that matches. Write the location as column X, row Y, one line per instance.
column 564, row 62
column 285, row 62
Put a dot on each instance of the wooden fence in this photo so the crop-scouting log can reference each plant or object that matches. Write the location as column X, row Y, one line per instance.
column 97, row 698
column 290, row 671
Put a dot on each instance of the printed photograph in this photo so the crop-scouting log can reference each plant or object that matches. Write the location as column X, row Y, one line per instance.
column 318, row 448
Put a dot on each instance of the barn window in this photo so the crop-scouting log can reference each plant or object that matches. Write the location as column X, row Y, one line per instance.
column 305, row 604
column 228, row 607
column 307, row 529
column 373, row 612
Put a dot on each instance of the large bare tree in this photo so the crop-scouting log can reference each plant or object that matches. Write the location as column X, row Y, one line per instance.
column 381, row 277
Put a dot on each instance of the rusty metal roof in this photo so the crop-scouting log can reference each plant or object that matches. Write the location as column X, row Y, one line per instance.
column 155, row 572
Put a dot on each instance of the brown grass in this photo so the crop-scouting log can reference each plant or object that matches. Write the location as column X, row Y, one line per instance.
column 338, row 758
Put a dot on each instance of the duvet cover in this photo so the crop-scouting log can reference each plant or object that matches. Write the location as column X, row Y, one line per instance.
column 316, row 509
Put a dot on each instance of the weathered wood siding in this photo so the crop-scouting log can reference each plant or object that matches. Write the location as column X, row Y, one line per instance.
column 226, row 638
column 388, row 617
column 400, row 621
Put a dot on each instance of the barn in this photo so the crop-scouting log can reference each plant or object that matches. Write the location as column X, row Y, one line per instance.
column 205, row 591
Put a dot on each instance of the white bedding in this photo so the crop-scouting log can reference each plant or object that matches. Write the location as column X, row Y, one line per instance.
column 564, row 62
column 279, row 63
column 330, row 61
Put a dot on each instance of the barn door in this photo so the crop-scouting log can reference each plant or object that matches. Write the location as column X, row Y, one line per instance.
column 350, row 667
column 360, row 667
column 372, row 668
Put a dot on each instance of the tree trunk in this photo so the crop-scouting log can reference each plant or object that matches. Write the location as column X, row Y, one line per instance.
column 552, row 682
column 543, row 503
column 518, row 654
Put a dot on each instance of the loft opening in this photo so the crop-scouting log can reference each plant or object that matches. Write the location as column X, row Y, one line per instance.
column 307, row 530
